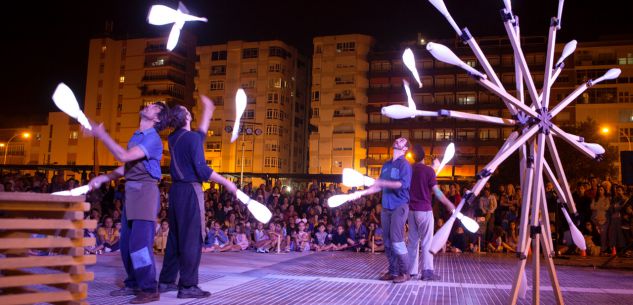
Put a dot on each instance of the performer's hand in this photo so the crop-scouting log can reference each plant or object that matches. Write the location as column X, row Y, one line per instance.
column 98, row 130
column 231, row 188
column 97, row 181
column 355, row 196
column 207, row 103
column 436, row 164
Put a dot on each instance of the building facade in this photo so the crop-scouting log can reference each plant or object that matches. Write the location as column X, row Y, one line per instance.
column 274, row 77
column 338, row 101
column 609, row 103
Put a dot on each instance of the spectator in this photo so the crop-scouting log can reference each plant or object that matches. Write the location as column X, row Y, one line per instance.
column 339, row 239
column 160, row 239
column 599, row 207
column 358, row 236
column 262, row 240
column 217, row 241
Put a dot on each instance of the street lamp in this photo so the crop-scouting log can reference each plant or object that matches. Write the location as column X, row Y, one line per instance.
column 606, row 130
column 24, row 135
column 246, row 129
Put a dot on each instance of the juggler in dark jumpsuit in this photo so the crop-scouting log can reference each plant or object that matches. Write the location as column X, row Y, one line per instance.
column 188, row 169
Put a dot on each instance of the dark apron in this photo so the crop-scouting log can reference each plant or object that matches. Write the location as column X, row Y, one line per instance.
column 142, row 197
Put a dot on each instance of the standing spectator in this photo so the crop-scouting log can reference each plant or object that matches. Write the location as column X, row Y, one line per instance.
column 599, row 207
column 488, row 205
column 615, row 236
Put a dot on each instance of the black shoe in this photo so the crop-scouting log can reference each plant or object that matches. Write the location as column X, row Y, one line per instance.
column 167, row 287
column 145, row 297
column 125, row 291
column 430, row 276
column 193, row 292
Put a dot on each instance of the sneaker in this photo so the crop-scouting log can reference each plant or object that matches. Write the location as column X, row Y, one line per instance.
column 125, row 291
column 386, row 277
column 401, row 278
column 193, row 292
column 266, row 251
column 259, row 250
column 145, row 297
column 166, row 287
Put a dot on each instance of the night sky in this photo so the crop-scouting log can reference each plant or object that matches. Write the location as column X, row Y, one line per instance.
column 51, row 45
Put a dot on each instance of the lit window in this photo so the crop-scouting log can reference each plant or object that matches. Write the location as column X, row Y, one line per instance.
column 74, row 135
column 122, row 79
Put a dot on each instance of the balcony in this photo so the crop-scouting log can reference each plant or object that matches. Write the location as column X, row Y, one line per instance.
column 162, row 49
column 172, row 93
column 165, row 63
column 164, row 77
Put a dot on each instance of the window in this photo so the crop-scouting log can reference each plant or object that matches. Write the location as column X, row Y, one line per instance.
column 213, row 146
column 272, row 146
column 278, row 52
column 443, row 134
column 218, row 55
column 626, row 60
column 249, row 84
column 344, row 112
column 101, row 68
column 217, row 85
column 344, row 95
column 218, row 70
column 316, row 96
column 347, row 79
column 272, row 97
column 379, row 135
column 274, row 68
column 488, row 134
column 122, row 79
column 315, row 112
column 274, row 83
column 249, row 114
column 250, row 53
column 74, row 135
column 345, row 46
column 274, row 114
column 380, row 66
column 466, row 100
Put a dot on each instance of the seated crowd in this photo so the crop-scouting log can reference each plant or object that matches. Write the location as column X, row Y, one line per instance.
column 302, row 220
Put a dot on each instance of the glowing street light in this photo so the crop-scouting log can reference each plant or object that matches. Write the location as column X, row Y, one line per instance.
column 24, row 135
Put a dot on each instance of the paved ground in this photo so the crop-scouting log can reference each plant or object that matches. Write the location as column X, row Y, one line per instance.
column 350, row 278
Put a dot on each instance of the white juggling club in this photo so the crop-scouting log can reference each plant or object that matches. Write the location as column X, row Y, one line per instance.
column 398, row 112
column 407, row 90
column 596, row 148
column 444, row 54
column 448, row 155
column 569, row 48
column 352, row 178
column 560, row 13
column 78, row 191
column 338, row 200
column 259, row 211
column 240, row 107
column 66, row 101
column 576, row 235
column 409, row 62
column 611, row 74
column 161, row 15
column 470, row 224
column 440, row 6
